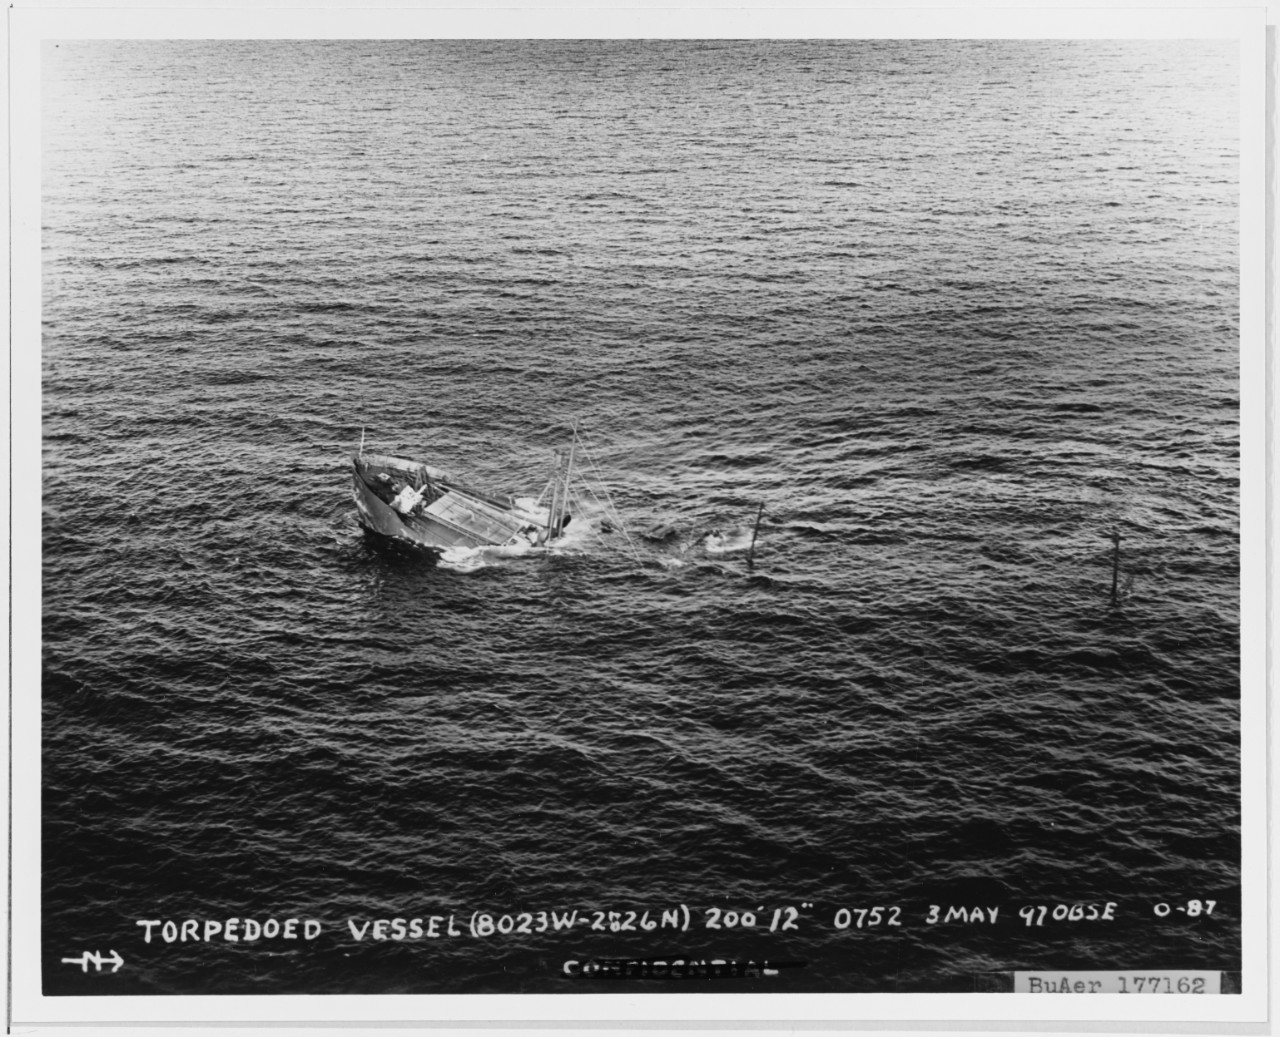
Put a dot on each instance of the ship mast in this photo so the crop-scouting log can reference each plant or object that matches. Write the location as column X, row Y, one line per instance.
column 560, row 480
column 568, row 476
column 553, row 514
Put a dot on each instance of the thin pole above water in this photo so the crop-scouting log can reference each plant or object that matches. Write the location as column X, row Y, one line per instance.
column 1115, row 569
column 751, row 551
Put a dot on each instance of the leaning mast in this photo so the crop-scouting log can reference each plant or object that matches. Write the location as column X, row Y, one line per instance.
column 560, row 480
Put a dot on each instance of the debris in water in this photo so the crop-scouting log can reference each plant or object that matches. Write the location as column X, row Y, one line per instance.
column 660, row 532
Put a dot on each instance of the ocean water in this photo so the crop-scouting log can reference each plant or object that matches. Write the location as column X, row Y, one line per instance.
column 951, row 311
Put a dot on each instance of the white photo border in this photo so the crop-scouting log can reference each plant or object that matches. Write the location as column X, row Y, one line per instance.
column 29, row 24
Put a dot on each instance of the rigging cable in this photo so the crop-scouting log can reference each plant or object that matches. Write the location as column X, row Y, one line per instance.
column 587, row 449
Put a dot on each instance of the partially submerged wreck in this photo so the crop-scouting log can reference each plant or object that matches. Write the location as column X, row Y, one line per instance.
column 423, row 505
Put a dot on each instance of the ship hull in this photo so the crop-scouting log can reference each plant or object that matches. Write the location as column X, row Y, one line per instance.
column 442, row 513
column 382, row 519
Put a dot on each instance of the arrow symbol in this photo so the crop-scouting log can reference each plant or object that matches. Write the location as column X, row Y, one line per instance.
column 97, row 960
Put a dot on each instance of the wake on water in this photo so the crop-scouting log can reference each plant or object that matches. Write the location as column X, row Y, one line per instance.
column 583, row 533
column 583, row 529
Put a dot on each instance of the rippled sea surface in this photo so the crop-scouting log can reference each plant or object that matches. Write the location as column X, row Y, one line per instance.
column 951, row 311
